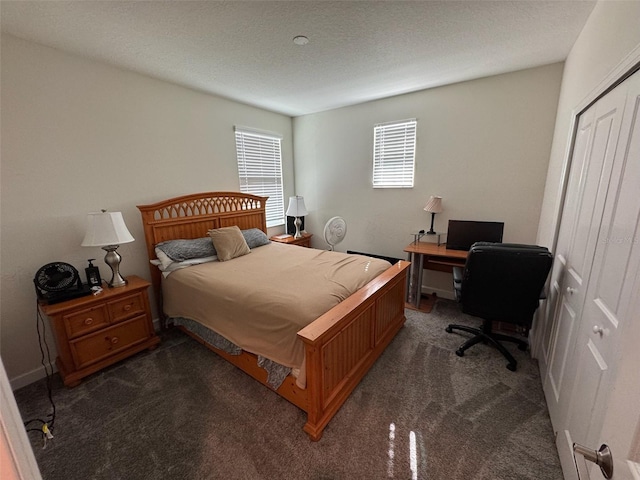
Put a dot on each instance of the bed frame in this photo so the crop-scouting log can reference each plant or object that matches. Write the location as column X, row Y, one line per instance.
column 340, row 346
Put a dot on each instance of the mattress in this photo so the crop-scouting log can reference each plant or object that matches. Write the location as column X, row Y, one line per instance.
column 261, row 300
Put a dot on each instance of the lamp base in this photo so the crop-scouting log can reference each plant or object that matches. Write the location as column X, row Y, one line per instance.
column 297, row 222
column 431, row 230
column 112, row 258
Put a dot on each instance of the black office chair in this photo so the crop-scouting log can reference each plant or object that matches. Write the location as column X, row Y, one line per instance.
column 500, row 282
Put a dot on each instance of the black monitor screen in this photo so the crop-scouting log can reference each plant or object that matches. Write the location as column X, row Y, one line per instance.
column 464, row 233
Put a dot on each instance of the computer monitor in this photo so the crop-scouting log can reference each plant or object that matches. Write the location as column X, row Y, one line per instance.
column 461, row 234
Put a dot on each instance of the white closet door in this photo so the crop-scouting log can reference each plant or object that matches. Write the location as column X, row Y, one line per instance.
column 591, row 168
column 592, row 390
column 608, row 313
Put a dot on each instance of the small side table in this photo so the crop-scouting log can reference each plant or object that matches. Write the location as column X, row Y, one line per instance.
column 439, row 238
column 95, row 331
column 304, row 241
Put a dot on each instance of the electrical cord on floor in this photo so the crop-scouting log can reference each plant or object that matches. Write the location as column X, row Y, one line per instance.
column 46, row 426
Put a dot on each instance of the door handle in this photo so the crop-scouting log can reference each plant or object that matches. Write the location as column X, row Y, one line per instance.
column 603, row 457
column 571, row 291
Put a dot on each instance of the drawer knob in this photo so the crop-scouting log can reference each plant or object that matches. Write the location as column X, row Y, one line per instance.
column 127, row 307
column 114, row 340
column 88, row 321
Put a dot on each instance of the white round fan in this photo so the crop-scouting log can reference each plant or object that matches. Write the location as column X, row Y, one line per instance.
column 334, row 231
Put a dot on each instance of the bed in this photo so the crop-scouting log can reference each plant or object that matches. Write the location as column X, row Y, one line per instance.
column 338, row 347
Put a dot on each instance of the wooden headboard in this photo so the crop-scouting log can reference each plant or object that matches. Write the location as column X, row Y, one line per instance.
column 191, row 216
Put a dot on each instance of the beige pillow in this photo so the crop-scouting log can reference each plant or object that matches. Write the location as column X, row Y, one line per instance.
column 229, row 243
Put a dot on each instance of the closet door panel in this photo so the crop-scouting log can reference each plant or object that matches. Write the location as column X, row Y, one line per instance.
column 591, row 169
column 608, row 311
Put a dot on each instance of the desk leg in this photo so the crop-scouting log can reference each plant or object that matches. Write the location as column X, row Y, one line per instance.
column 408, row 295
column 418, row 290
column 411, row 279
column 414, row 280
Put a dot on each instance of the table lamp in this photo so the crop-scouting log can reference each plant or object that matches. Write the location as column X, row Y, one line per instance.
column 297, row 209
column 434, row 205
column 108, row 230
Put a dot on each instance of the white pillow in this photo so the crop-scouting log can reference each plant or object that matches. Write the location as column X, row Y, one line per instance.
column 167, row 267
column 164, row 259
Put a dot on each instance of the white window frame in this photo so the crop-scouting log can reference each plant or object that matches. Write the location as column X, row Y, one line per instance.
column 394, row 154
column 259, row 156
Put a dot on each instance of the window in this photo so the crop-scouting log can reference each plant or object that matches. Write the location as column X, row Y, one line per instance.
column 394, row 153
column 260, row 169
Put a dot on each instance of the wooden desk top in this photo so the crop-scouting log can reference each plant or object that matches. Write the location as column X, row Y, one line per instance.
column 432, row 249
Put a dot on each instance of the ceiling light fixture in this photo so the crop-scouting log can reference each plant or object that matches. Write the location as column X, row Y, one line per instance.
column 300, row 40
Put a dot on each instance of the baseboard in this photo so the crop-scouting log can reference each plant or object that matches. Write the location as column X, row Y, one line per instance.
column 30, row 377
column 441, row 293
column 533, row 350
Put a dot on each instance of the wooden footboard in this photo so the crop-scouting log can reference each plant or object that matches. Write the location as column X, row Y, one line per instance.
column 342, row 345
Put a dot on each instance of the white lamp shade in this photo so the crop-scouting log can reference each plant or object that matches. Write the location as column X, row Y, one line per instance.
column 106, row 228
column 434, row 205
column 296, row 207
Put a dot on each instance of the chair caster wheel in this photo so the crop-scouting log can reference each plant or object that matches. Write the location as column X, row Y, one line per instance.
column 523, row 347
column 512, row 367
column 448, row 329
column 460, row 353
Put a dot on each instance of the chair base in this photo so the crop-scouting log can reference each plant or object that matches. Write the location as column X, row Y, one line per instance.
column 485, row 335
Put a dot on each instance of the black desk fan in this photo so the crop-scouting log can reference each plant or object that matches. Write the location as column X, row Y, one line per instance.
column 58, row 281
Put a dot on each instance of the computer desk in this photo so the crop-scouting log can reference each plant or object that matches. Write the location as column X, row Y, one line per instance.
column 432, row 257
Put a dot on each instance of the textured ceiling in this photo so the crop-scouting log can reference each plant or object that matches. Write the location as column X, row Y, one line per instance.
column 357, row 51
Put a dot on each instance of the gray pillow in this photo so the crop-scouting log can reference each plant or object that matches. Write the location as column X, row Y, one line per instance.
column 255, row 237
column 180, row 250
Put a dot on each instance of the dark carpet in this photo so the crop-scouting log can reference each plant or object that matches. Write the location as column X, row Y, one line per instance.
column 181, row 412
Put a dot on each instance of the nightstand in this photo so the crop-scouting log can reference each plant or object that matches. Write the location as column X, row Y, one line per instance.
column 304, row 241
column 95, row 331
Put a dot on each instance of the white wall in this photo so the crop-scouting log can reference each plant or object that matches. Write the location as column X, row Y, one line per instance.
column 608, row 45
column 78, row 136
column 610, row 35
column 483, row 145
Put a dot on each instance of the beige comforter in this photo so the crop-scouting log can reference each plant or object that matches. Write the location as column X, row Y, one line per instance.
column 261, row 300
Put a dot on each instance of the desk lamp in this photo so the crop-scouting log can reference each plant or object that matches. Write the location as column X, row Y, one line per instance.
column 434, row 205
column 108, row 230
column 297, row 209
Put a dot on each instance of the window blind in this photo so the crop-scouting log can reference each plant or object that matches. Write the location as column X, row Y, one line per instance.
column 394, row 151
column 260, row 169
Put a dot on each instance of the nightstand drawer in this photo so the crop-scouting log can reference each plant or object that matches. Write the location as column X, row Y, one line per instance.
column 126, row 307
column 86, row 321
column 107, row 342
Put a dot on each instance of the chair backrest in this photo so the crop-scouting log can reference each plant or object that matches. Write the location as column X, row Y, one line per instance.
column 504, row 282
